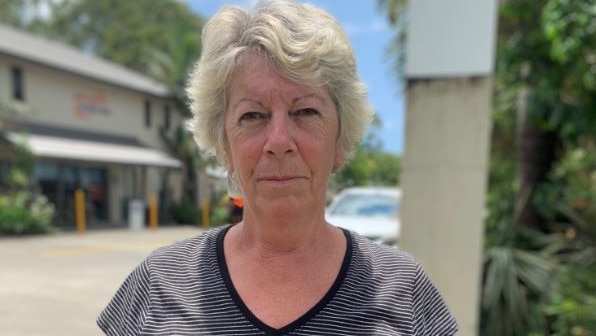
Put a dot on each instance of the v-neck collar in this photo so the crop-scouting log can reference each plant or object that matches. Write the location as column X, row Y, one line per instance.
column 300, row 321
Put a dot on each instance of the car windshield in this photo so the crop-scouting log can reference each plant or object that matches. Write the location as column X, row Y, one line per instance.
column 366, row 205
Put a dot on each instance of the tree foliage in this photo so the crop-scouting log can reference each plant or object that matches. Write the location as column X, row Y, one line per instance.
column 545, row 73
column 396, row 14
column 22, row 210
column 25, row 14
column 137, row 34
column 370, row 165
column 535, row 281
column 549, row 46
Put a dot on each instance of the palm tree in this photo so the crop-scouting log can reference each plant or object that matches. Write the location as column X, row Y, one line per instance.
column 396, row 14
column 172, row 67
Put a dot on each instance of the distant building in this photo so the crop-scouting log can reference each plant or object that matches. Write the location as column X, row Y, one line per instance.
column 95, row 125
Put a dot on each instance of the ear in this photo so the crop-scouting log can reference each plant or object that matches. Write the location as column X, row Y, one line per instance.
column 227, row 154
column 229, row 163
column 339, row 157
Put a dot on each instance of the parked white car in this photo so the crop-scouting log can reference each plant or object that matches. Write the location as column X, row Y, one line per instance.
column 371, row 212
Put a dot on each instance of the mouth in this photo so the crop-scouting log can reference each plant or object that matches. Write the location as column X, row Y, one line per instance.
column 281, row 180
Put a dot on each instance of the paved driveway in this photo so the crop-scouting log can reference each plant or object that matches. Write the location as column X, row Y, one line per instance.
column 58, row 284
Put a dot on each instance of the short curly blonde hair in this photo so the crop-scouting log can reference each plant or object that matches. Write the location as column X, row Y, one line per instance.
column 307, row 45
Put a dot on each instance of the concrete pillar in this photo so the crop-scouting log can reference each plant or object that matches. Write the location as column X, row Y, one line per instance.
column 444, row 183
column 449, row 66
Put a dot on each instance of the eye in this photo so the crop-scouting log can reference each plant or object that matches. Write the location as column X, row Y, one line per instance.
column 307, row 112
column 252, row 117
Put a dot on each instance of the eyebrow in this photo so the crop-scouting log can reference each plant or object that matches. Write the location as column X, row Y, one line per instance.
column 309, row 95
column 250, row 100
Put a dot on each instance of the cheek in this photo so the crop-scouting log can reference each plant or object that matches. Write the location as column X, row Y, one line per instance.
column 243, row 154
column 320, row 152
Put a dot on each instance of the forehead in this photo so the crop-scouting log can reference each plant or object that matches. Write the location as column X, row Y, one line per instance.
column 253, row 66
column 257, row 75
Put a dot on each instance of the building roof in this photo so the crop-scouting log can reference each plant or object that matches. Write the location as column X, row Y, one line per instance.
column 60, row 56
column 92, row 151
column 55, row 142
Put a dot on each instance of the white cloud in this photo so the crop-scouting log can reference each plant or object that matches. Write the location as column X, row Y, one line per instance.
column 372, row 27
column 389, row 124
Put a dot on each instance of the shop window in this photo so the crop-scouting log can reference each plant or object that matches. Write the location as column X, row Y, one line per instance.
column 18, row 87
column 166, row 120
column 47, row 180
column 147, row 114
column 93, row 181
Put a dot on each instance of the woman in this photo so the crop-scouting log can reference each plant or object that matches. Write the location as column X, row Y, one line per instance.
column 277, row 98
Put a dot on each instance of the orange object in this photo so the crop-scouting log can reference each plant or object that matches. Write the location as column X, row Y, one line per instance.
column 238, row 202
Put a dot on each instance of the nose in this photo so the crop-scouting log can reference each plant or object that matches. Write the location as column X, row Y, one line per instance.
column 280, row 140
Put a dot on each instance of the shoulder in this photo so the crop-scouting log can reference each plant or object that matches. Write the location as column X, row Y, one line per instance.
column 188, row 247
column 383, row 268
column 393, row 271
column 184, row 254
column 388, row 260
column 162, row 272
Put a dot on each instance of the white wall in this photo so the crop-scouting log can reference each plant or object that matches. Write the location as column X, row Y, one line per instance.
column 56, row 96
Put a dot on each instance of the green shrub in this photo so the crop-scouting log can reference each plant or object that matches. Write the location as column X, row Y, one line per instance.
column 185, row 213
column 220, row 215
column 572, row 307
column 24, row 213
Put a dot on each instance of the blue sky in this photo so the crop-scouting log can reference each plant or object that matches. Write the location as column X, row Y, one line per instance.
column 370, row 36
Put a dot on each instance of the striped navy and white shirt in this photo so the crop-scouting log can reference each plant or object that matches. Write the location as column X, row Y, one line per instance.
column 185, row 289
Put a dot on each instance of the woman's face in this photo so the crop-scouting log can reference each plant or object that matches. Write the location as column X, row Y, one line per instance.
column 282, row 138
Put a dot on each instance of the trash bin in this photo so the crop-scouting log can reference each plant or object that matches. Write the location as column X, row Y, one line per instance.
column 136, row 214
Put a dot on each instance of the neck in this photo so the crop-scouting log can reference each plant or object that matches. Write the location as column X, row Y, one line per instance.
column 283, row 234
column 282, row 253
column 273, row 234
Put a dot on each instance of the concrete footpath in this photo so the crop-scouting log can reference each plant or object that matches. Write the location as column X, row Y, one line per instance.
column 58, row 284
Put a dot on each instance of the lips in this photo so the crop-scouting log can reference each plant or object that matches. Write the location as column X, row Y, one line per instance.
column 281, row 179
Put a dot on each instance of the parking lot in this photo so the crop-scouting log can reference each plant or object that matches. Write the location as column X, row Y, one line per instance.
column 58, row 284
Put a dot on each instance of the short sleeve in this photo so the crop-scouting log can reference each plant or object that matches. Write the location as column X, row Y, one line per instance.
column 432, row 317
column 126, row 312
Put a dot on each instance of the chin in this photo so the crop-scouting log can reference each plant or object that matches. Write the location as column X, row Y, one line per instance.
column 285, row 204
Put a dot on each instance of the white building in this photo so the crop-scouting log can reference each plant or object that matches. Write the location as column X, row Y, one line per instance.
column 95, row 125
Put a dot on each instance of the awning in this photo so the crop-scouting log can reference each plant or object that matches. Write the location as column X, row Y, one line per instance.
column 93, row 151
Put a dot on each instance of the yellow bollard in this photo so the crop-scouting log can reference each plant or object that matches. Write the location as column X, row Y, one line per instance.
column 152, row 212
column 80, row 211
column 205, row 214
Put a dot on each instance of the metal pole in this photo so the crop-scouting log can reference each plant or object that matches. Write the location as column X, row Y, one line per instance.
column 80, row 211
column 153, row 212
